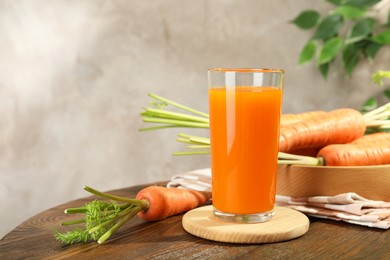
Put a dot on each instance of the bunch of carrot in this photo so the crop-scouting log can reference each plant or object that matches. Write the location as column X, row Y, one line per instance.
column 341, row 137
column 103, row 218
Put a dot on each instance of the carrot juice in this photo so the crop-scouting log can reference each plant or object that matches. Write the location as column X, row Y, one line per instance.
column 244, row 134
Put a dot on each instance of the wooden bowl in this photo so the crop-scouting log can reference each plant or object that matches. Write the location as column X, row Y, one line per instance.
column 371, row 182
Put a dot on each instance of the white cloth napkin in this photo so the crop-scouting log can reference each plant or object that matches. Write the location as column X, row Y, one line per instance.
column 348, row 207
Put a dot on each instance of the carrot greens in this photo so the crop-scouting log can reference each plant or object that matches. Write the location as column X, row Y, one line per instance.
column 158, row 114
column 101, row 219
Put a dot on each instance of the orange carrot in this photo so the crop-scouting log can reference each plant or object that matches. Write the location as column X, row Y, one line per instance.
column 287, row 119
column 375, row 138
column 153, row 203
column 355, row 154
column 371, row 149
column 166, row 202
column 335, row 127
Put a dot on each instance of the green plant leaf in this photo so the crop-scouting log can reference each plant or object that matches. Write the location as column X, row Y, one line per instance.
column 360, row 30
column 350, row 58
column 382, row 38
column 371, row 50
column 360, row 3
column 369, row 105
column 378, row 76
column 388, row 20
column 335, row 2
column 350, row 12
column 328, row 27
column 306, row 19
column 307, row 52
column 329, row 50
column 386, row 93
column 324, row 69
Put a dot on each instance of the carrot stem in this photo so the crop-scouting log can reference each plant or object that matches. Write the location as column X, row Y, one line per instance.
column 285, row 158
column 194, row 111
column 157, row 127
column 199, row 146
column 378, row 113
column 196, row 139
column 378, row 123
column 192, row 152
column 168, row 114
column 178, row 123
column 73, row 222
column 111, row 219
column 113, row 229
column 75, row 210
column 141, row 203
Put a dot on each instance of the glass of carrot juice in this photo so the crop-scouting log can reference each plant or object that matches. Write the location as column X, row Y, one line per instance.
column 245, row 108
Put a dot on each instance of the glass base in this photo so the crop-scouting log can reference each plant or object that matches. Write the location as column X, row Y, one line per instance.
column 244, row 218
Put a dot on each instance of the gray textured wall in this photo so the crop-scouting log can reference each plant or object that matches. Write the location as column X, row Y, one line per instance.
column 74, row 76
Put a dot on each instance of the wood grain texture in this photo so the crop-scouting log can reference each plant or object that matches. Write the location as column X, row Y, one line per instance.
column 371, row 182
column 286, row 224
column 33, row 239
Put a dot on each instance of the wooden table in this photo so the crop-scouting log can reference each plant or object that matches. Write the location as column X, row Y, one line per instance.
column 168, row 240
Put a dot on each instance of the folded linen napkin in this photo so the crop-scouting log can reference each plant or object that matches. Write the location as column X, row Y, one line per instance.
column 348, row 207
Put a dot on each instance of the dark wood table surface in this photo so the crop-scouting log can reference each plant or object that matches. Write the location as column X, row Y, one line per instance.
column 167, row 239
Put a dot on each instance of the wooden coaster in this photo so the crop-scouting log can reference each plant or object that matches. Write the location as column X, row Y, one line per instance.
column 286, row 224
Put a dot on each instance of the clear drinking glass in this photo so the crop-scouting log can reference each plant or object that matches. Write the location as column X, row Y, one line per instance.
column 245, row 108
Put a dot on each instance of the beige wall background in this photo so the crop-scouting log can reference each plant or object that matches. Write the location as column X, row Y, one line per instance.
column 74, row 76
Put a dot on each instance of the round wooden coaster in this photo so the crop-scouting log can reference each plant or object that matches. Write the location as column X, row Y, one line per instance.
column 286, row 224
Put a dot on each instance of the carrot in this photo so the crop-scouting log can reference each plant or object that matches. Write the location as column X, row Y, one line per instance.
column 375, row 138
column 335, row 127
column 355, row 154
column 153, row 203
column 287, row 119
column 166, row 202
column 371, row 149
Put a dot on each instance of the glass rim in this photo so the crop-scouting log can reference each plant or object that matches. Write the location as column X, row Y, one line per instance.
column 246, row 70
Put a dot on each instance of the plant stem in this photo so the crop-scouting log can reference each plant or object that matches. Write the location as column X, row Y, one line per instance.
column 73, row 222
column 197, row 112
column 112, row 230
column 191, row 153
column 144, row 204
column 111, row 219
column 175, row 122
column 153, row 112
column 382, row 111
column 285, row 158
